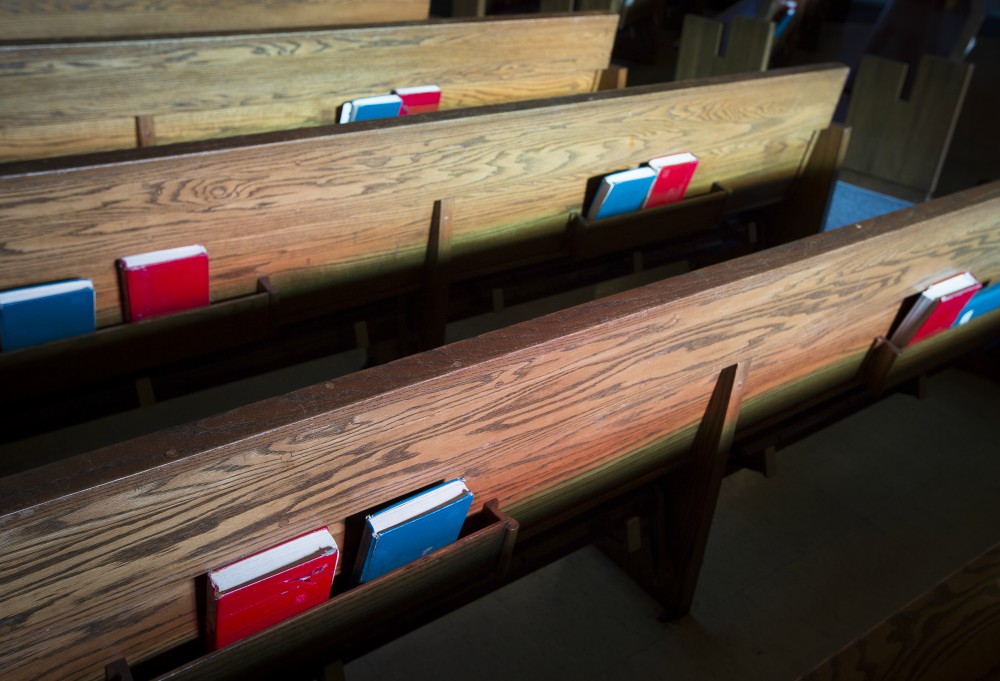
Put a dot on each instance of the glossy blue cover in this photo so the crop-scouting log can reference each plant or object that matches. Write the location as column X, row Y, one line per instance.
column 409, row 540
column 622, row 192
column 37, row 316
column 376, row 107
column 985, row 300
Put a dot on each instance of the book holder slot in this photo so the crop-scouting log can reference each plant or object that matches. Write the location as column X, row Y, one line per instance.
column 131, row 348
column 363, row 616
column 662, row 548
column 594, row 237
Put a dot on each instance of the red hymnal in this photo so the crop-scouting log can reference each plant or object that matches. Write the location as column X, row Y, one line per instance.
column 936, row 309
column 164, row 282
column 419, row 99
column 269, row 586
column 673, row 175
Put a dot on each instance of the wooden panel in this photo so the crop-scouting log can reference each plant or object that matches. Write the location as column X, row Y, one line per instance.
column 748, row 49
column 289, row 209
column 951, row 632
column 198, row 88
column 903, row 143
column 101, row 551
column 53, row 19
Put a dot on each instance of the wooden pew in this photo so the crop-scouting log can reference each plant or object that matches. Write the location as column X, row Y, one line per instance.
column 286, row 207
column 102, row 552
column 289, row 206
column 74, row 98
column 43, row 20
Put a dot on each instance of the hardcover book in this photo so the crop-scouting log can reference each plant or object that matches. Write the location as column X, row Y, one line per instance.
column 163, row 282
column 622, row 192
column 936, row 309
column 269, row 586
column 412, row 528
column 420, row 99
column 673, row 175
column 984, row 300
column 371, row 108
column 38, row 314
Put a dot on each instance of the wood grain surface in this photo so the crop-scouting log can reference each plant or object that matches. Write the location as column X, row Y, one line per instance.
column 899, row 145
column 56, row 20
column 309, row 209
column 101, row 551
column 948, row 634
column 699, row 56
column 84, row 97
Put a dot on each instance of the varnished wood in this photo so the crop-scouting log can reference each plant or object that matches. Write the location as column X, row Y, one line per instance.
column 809, row 199
column 539, row 416
column 949, row 633
column 83, row 97
column 749, row 47
column 692, row 494
column 145, row 131
column 468, row 8
column 437, row 274
column 287, row 205
column 51, row 20
column 899, row 146
column 612, row 78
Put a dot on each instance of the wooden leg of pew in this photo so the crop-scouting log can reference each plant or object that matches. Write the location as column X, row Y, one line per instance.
column 612, row 78
column 145, row 131
column 144, row 391
column 692, row 493
column 658, row 538
column 334, row 671
column 117, row 671
column 803, row 213
column 468, row 8
column 436, row 278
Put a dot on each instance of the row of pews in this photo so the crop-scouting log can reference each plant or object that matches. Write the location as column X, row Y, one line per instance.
column 614, row 420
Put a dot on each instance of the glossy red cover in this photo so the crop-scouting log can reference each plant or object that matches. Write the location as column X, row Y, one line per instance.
column 248, row 609
column 943, row 314
column 164, row 288
column 670, row 184
column 419, row 102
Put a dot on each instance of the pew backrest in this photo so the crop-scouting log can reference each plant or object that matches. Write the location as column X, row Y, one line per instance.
column 312, row 209
column 74, row 98
column 102, row 551
column 46, row 20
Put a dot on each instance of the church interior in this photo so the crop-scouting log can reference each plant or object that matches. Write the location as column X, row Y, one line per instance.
column 705, row 454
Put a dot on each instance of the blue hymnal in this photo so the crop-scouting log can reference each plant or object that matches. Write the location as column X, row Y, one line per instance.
column 412, row 528
column 370, row 108
column 39, row 314
column 985, row 300
column 622, row 192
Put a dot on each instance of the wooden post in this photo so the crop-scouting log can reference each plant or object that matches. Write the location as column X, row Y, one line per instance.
column 145, row 131
column 664, row 554
column 804, row 211
column 691, row 495
column 436, row 277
